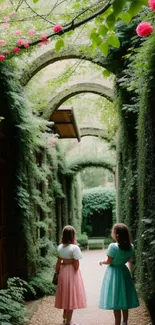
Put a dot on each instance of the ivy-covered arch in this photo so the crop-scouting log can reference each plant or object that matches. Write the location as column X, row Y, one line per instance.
column 94, row 132
column 78, row 164
column 74, row 90
column 71, row 52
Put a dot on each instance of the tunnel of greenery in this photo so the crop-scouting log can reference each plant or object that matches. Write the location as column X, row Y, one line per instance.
column 42, row 180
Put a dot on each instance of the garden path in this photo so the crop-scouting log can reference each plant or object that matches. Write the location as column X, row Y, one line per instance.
column 92, row 273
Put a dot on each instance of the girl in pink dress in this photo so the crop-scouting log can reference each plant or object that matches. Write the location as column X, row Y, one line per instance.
column 70, row 292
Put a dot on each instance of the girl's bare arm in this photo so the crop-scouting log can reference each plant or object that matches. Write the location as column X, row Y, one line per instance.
column 76, row 264
column 107, row 261
column 58, row 265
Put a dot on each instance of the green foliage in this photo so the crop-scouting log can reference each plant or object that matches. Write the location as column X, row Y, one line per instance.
column 144, row 82
column 42, row 284
column 76, row 165
column 59, row 45
column 75, row 206
column 97, row 200
column 127, row 163
column 107, row 241
column 71, row 16
column 83, row 240
column 12, row 308
column 37, row 171
column 57, row 190
column 137, row 161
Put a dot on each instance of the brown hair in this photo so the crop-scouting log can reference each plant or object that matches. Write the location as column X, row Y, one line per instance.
column 121, row 234
column 68, row 235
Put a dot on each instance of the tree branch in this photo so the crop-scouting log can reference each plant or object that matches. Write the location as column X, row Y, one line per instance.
column 38, row 15
column 73, row 25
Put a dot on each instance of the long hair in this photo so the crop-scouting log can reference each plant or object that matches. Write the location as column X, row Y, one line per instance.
column 68, row 235
column 121, row 234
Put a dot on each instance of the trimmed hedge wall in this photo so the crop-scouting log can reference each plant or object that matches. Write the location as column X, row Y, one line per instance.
column 97, row 200
column 139, row 83
column 127, row 161
column 146, row 172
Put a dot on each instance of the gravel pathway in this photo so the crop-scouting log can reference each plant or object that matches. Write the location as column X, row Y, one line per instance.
column 46, row 314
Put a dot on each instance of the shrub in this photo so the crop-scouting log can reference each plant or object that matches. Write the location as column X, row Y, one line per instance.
column 83, row 240
column 12, row 308
column 96, row 201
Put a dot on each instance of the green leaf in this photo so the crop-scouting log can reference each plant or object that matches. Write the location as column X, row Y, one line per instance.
column 144, row 2
column 93, row 34
column 70, row 33
column 103, row 30
column 106, row 73
column 104, row 48
column 125, row 17
column 118, row 6
column 96, row 41
column 114, row 41
column 35, row 1
column 111, row 20
column 135, row 8
column 59, row 44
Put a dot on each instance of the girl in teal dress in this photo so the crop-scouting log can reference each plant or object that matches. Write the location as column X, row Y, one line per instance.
column 118, row 291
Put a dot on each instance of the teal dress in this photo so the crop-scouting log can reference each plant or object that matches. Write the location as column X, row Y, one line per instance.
column 118, row 290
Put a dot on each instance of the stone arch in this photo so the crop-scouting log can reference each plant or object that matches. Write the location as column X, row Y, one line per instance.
column 94, row 132
column 79, row 164
column 76, row 89
column 71, row 52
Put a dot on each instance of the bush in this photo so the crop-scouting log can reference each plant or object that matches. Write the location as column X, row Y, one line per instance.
column 42, row 284
column 12, row 308
column 107, row 241
column 83, row 240
column 96, row 201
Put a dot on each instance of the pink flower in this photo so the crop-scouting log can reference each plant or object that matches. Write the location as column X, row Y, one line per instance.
column 151, row 4
column 6, row 25
column 18, row 32
column 144, row 29
column 57, row 28
column 2, row 57
column 2, row 43
column 16, row 49
column 26, row 45
column 6, row 18
column 6, row 51
column 13, row 14
column 20, row 42
column 31, row 31
column 43, row 38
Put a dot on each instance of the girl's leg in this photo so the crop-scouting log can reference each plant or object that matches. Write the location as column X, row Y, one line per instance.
column 125, row 316
column 117, row 315
column 68, row 314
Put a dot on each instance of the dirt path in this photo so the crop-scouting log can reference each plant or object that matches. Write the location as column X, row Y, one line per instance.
column 92, row 275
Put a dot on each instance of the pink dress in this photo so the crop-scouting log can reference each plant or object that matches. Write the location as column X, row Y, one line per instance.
column 70, row 292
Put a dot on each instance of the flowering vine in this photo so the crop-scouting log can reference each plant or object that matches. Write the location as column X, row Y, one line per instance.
column 13, row 39
column 145, row 28
column 32, row 36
